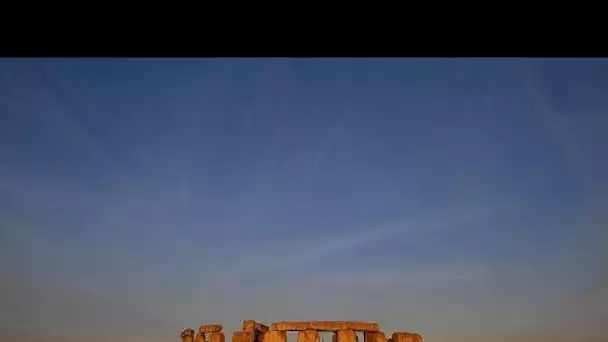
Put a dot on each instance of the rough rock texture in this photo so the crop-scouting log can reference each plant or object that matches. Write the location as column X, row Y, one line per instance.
column 208, row 328
column 243, row 336
column 346, row 336
column 261, row 327
column 308, row 331
column 261, row 334
column 275, row 336
column 309, row 336
column 402, row 337
column 249, row 325
column 187, row 335
column 287, row 326
column 255, row 328
column 375, row 336
column 216, row 336
column 200, row 337
column 325, row 326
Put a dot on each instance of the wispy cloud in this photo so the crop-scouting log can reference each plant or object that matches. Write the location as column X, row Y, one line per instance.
column 140, row 199
column 281, row 255
column 409, row 274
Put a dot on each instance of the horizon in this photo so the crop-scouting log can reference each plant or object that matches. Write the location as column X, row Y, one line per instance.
column 462, row 199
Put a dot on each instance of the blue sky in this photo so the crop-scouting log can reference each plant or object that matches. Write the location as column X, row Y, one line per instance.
column 464, row 199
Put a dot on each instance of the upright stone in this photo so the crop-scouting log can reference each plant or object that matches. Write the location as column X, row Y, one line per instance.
column 377, row 336
column 187, row 335
column 308, row 336
column 216, row 336
column 243, row 336
column 200, row 337
column 403, row 337
column 261, row 327
column 346, row 336
column 249, row 326
column 334, row 337
column 208, row 328
column 275, row 336
column 417, row 338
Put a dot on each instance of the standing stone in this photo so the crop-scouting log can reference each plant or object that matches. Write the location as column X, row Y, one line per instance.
column 334, row 337
column 261, row 327
column 417, row 338
column 249, row 326
column 377, row 336
column 207, row 328
column 308, row 336
column 275, row 336
column 243, row 336
column 403, row 337
column 187, row 335
column 216, row 336
column 200, row 337
column 346, row 336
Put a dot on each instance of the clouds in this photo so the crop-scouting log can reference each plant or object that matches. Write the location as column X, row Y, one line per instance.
column 409, row 275
column 134, row 204
column 315, row 251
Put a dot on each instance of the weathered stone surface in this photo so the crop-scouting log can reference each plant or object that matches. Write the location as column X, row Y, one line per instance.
column 343, row 331
column 346, row 336
column 249, row 325
column 402, row 337
column 325, row 326
column 289, row 326
column 200, row 337
column 261, row 327
column 187, row 335
column 243, row 336
column 255, row 328
column 344, row 325
column 375, row 336
column 216, row 336
column 275, row 336
column 309, row 336
column 209, row 328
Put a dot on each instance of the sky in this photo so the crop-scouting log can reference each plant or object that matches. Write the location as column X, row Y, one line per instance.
column 464, row 199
